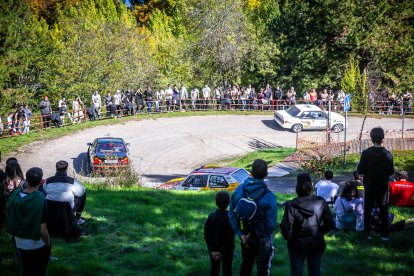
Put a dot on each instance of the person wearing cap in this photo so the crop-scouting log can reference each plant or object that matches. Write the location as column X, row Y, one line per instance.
column 46, row 111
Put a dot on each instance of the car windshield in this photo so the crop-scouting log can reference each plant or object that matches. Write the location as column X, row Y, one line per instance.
column 240, row 176
column 293, row 111
column 110, row 146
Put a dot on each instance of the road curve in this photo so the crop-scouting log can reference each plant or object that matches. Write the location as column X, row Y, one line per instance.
column 171, row 147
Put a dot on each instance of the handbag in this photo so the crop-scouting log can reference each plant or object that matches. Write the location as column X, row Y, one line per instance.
column 348, row 220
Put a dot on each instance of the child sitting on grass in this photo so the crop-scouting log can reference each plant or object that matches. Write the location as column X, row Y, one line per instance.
column 219, row 236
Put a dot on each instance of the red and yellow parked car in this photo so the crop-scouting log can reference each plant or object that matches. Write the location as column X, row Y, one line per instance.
column 209, row 178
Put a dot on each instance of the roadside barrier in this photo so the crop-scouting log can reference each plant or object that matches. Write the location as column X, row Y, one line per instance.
column 41, row 123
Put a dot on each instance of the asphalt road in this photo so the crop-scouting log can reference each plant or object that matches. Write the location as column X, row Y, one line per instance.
column 165, row 148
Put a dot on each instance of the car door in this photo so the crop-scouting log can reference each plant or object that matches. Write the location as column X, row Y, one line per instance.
column 195, row 182
column 318, row 120
column 306, row 120
column 217, row 182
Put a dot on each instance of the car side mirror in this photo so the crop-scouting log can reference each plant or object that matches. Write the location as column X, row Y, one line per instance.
column 127, row 144
column 89, row 144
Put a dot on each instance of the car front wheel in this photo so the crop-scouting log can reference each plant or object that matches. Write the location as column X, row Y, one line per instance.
column 296, row 128
column 337, row 128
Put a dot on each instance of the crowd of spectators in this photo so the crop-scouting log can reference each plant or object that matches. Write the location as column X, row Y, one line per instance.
column 179, row 98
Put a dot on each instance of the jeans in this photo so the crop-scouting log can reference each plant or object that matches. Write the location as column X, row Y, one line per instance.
column 35, row 261
column 26, row 125
column 149, row 107
column 297, row 262
column 262, row 251
column 243, row 104
column 381, row 198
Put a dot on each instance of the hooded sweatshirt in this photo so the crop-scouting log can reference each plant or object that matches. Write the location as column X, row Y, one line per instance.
column 266, row 208
column 376, row 164
column 305, row 221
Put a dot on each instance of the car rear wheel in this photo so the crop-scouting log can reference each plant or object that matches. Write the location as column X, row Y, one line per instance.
column 296, row 128
column 337, row 128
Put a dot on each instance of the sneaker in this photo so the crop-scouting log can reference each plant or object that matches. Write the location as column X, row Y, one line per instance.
column 80, row 221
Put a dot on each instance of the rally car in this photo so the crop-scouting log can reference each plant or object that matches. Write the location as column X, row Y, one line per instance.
column 108, row 155
column 209, row 178
column 306, row 116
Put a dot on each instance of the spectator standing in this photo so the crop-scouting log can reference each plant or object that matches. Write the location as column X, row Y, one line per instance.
column 406, row 97
column 313, row 96
column 97, row 103
column 194, row 98
column 219, row 237
column 291, row 96
column 139, row 102
column 268, row 96
column 326, row 188
column 243, row 98
column 149, row 98
column 324, row 98
column 108, row 104
column 26, row 221
column 217, row 97
column 376, row 165
column 10, row 123
column 77, row 106
column 19, row 118
column 64, row 188
column 206, row 96
column 63, row 112
column 401, row 190
column 46, row 111
column 340, row 98
column 306, row 220
column 169, row 93
column 183, row 96
column 391, row 102
column 28, row 116
column 306, row 97
column 252, row 98
column 160, row 100
column 277, row 96
column 257, row 244
column 118, row 102
column 63, row 100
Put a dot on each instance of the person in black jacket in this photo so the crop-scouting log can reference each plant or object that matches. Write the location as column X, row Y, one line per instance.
column 376, row 164
column 306, row 220
column 219, row 236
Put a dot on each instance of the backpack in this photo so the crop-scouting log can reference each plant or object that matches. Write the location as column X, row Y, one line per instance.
column 246, row 210
column 348, row 220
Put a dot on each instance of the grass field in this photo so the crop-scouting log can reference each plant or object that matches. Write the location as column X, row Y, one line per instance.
column 139, row 231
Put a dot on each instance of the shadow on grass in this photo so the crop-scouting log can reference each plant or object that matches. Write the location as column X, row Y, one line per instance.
column 151, row 232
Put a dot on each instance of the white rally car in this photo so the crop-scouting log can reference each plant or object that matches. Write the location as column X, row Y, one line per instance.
column 308, row 116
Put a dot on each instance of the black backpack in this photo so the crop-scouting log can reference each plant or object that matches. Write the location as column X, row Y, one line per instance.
column 246, row 210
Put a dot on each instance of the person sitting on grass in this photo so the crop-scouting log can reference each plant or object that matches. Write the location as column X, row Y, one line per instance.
column 219, row 236
column 26, row 221
column 306, row 220
column 349, row 202
column 326, row 188
column 64, row 188
column 358, row 182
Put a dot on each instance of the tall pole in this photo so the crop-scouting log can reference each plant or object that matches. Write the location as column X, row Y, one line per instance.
column 402, row 127
column 346, row 120
column 329, row 120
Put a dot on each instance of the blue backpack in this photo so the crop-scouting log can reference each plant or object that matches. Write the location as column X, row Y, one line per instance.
column 246, row 210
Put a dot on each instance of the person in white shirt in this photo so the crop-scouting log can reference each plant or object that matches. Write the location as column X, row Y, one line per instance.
column 194, row 98
column 326, row 188
column 117, row 101
column 169, row 96
column 160, row 95
column 349, row 200
column 183, row 96
column 217, row 97
column 206, row 96
column 97, row 104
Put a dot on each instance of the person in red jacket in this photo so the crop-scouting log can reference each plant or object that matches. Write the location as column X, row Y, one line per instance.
column 402, row 191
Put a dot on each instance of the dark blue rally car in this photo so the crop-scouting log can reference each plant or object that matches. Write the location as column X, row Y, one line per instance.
column 108, row 154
